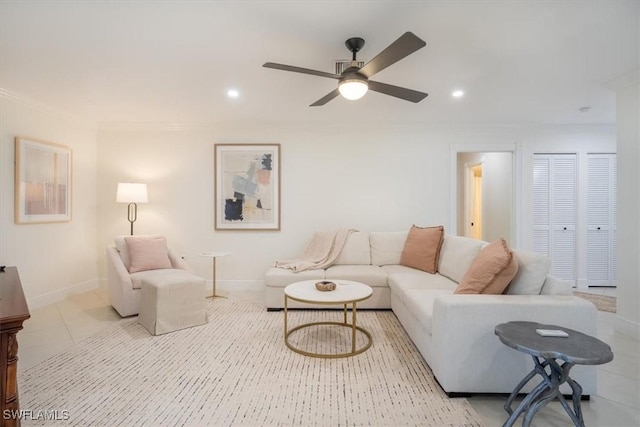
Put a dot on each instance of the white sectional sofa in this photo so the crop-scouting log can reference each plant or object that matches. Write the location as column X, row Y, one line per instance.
column 454, row 332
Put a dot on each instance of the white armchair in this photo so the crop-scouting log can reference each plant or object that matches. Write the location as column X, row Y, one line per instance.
column 124, row 288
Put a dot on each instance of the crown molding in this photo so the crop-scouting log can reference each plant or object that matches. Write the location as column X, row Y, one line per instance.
column 45, row 108
column 312, row 127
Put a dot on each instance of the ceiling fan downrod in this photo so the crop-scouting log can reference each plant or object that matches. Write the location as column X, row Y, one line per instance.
column 354, row 44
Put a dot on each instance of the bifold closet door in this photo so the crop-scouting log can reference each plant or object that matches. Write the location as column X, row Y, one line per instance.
column 554, row 212
column 601, row 220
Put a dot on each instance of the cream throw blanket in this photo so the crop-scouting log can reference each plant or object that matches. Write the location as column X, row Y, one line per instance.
column 322, row 251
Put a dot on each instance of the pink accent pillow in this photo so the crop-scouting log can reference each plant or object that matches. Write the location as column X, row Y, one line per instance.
column 147, row 253
column 491, row 270
column 422, row 248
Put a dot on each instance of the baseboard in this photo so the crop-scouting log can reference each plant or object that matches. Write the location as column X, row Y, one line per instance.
column 61, row 294
column 582, row 284
column 626, row 327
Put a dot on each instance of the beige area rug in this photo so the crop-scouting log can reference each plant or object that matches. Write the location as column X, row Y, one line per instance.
column 236, row 370
column 602, row 303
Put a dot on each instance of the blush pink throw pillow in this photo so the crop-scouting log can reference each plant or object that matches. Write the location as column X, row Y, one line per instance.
column 491, row 270
column 422, row 248
column 147, row 253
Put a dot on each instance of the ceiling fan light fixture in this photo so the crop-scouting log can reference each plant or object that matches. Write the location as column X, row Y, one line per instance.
column 353, row 89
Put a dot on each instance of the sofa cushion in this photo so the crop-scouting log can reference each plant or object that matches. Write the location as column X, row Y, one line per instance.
column 356, row 250
column 420, row 302
column 391, row 269
column 456, row 256
column 401, row 282
column 138, row 277
column 371, row 275
column 422, row 248
column 491, row 270
column 387, row 246
column 280, row 277
column 532, row 272
column 147, row 253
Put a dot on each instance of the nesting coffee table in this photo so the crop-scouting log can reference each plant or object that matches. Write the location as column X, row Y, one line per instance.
column 548, row 352
column 347, row 292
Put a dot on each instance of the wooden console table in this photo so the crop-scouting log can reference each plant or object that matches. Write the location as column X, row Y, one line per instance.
column 13, row 311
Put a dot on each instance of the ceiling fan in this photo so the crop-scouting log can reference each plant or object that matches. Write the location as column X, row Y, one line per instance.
column 354, row 81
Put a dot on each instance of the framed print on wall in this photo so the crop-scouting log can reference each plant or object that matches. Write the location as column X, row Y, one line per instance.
column 247, row 186
column 42, row 182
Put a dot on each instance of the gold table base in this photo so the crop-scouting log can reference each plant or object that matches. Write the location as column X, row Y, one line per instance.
column 352, row 326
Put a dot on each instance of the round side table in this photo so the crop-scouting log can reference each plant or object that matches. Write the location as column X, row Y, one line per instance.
column 213, row 256
column 559, row 355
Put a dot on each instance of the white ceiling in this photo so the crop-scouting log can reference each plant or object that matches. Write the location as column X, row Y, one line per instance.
column 172, row 61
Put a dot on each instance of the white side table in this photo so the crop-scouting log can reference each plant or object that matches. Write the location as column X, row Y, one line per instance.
column 213, row 256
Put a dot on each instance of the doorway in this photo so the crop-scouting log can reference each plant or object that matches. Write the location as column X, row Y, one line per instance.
column 473, row 201
column 484, row 183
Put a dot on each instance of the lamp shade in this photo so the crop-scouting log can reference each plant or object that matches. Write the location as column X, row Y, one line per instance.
column 353, row 89
column 132, row 192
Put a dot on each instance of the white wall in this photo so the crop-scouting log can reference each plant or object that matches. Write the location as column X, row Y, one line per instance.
column 497, row 201
column 52, row 259
column 628, row 132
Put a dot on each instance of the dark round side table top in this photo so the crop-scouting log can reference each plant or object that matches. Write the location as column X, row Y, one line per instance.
column 577, row 348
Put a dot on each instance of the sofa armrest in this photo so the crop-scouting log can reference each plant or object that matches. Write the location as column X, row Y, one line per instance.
column 119, row 287
column 176, row 261
column 468, row 352
column 120, row 276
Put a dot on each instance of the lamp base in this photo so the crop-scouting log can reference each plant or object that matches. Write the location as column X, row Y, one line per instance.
column 132, row 214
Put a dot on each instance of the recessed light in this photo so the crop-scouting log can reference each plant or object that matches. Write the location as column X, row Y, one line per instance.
column 457, row 93
column 233, row 93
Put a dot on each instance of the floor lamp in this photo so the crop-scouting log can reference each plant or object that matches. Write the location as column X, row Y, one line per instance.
column 132, row 193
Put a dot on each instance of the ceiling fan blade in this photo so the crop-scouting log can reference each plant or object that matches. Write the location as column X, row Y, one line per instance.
column 397, row 91
column 299, row 70
column 328, row 97
column 404, row 46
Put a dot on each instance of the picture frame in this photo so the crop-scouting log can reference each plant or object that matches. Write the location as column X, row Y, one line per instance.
column 247, row 186
column 42, row 184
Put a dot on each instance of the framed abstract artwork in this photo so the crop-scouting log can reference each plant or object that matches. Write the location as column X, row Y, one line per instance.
column 247, row 186
column 42, row 182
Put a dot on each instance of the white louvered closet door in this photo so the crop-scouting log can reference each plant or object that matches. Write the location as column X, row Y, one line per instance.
column 601, row 220
column 554, row 211
column 541, row 204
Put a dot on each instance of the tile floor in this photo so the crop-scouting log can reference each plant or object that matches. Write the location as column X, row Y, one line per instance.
column 56, row 327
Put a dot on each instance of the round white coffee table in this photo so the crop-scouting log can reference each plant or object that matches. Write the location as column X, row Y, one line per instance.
column 347, row 293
